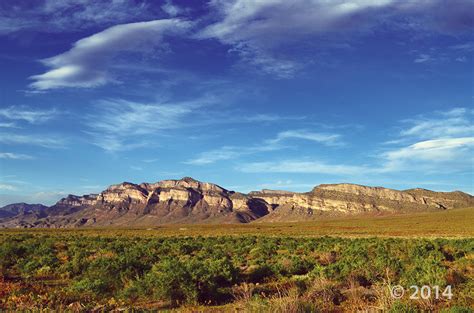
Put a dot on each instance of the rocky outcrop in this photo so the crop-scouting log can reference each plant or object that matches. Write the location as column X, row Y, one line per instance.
column 191, row 201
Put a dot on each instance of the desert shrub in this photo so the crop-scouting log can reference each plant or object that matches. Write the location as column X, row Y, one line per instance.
column 424, row 265
column 97, row 286
column 190, row 281
column 11, row 253
column 353, row 258
column 400, row 307
column 300, row 265
column 93, row 270
column 261, row 273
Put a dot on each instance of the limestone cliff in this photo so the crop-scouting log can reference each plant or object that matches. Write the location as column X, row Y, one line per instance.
column 191, row 201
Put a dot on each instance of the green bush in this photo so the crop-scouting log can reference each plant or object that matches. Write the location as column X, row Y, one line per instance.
column 190, row 280
column 94, row 270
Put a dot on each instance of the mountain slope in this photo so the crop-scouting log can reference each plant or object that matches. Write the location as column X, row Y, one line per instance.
column 20, row 208
column 191, row 201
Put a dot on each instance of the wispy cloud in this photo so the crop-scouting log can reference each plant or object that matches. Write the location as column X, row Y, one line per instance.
column 246, row 21
column 221, row 154
column 323, row 138
column 256, row 33
column 34, row 140
column 86, row 63
column 55, row 16
column 122, row 125
column 424, row 155
column 28, row 114
column 301, row 166
column 265, row 62
column 270, row 118
column 455, row 122
column 7, row 187
column 423, row 58
column 467, row 46
column 150, row 160
column 15, row 156
column 171, row 9
column 233, row 152
column 441, row 141
column 255, row 30
column 8, row 125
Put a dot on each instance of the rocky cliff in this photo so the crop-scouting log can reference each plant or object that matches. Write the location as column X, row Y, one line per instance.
column 191, row 201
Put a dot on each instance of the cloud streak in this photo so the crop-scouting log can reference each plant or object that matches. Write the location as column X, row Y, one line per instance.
column 323, row 138
column 234, row 152
column 302, row 167
column 444, row 140
column 27, row 114
column 54, row 16
column 86, row 63
column 440, row 143
column 7, row 187
column 455, row 122
column 15, row 156
column 256, row 32
column 123, row 125
column 430, row 153
column 33, row 140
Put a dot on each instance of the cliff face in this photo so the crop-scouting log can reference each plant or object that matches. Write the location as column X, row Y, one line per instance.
column 190, row 201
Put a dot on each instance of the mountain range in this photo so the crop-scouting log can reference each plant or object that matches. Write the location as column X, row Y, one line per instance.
column 190, row 201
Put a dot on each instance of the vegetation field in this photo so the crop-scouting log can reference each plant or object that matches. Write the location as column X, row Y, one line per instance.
column 260, row 267
column 457, row 223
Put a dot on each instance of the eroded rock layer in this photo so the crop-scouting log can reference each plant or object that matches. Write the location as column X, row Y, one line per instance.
column 191, row 201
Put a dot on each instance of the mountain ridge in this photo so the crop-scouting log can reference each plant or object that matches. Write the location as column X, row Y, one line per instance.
column 188, row 200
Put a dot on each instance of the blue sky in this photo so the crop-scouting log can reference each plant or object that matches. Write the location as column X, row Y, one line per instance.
column 247, row 94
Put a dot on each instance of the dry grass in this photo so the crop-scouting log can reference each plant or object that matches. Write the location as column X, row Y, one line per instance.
column 457, row 223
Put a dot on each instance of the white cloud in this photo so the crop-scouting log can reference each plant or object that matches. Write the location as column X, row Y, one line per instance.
column 467, row 47
column 261, row 31
column 443, row 141
column 270, row 118
column 123, row 125
column 35, row 140
column 8, row 125
column 86, row 63
column 455, row 122
column 45, row 197
column 257, row 29
column 56, row 16
column 422, row 58
column 247, row 20
column 265, row 62
column 221, row 154
column 323, row 138
column 430, row 154
column 7, row 187
column 15, row 156
column 150, row 160
column 440, row 143
column 30, row 115
column 233, row 152
column 299, row 166
column 171, row 9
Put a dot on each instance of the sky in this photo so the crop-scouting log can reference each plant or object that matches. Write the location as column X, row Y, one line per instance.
column 251, row 95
